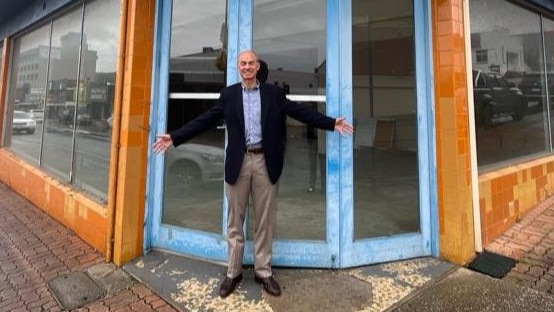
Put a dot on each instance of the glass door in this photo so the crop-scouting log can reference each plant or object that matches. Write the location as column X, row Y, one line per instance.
column 188, row 214
column 291, row 38
column 193, row 172
column 390, row 216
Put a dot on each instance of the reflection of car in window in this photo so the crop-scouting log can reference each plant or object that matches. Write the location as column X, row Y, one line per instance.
column 23, row 122
column 37, row 114
column 191, row 164
column 84, row 119
column 66, row 117
column 532, row 87
column 495, row 99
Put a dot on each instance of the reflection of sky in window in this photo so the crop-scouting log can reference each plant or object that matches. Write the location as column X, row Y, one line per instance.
column 32, row 40
column 489, row 15
column 101, row 29
column 196, row 25
column 280, row 26
column 290, row 34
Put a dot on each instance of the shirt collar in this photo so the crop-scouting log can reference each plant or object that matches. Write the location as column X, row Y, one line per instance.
column 256, row 87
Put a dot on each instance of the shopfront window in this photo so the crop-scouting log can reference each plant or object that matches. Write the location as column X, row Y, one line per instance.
column 548, row 80
column 509, row 85
column 26, row 91
column 62, row 89
column 290, row 37
column 95, row 101
column 60, row 95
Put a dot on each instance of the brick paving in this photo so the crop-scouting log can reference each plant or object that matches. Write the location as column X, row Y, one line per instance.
column 34, row 248
column 531, row 243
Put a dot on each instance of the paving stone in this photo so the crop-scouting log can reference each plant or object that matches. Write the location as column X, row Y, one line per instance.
column 306, row 291
column 74, row 290
column 109, row 277
column 543, row 285
column 521, row 268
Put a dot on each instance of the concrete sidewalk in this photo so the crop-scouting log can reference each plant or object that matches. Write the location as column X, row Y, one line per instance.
column 191, row 285
column 529, row 286
column 468, row 291
column 36, row 250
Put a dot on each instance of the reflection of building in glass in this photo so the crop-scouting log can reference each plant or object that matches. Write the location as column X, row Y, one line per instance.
column 196, row 72
column 64, row 60
column 193, row 73
column 95, row 90
column 199, row 73
column 66, row 65
column 31, row 75
column 99, row 96
column 500, row 51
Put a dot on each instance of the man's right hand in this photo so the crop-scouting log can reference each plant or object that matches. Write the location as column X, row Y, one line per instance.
column 163, row 142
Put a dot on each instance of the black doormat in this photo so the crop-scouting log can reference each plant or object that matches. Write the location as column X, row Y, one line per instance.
column 492, row 264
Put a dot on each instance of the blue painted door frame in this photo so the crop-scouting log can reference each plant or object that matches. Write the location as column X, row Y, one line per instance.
column 339, row 250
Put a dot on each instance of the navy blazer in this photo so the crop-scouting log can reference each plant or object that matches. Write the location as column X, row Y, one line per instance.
column 275, row 108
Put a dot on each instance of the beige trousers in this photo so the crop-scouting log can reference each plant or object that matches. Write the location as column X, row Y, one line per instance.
column 254, row 183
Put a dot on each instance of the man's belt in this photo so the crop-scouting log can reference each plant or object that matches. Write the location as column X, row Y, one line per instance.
column 254, row 150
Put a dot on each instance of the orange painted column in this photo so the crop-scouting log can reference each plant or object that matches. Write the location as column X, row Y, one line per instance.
column 133, row 135
column 456, row 235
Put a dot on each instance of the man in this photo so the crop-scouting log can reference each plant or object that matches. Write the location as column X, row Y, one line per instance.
column 254, row 114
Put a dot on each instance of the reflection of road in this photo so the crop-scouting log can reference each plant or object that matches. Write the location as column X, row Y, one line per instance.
column 91, row 156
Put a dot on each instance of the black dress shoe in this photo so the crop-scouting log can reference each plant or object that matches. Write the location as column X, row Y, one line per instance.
column 229, row 285
column 270, row 285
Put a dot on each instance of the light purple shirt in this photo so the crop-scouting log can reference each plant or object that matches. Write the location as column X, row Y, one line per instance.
column 252, row 106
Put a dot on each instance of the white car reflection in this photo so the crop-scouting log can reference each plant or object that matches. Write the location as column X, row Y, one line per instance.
column 37, row 115
column 192, row 164
column 23, row 122
column 109, row 121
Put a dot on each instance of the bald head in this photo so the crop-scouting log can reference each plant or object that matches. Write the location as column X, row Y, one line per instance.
column 248, row 67
column 249, row 53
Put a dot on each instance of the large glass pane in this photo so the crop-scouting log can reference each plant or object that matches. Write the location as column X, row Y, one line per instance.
column 29, row 67
column 548, row 28
column 193, row 189
column 509, row 88
column 290, row 37
column 385, row 142
column 95, row 104
column 61, row 97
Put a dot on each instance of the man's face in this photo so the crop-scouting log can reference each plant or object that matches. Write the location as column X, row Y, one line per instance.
column 248, row 66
